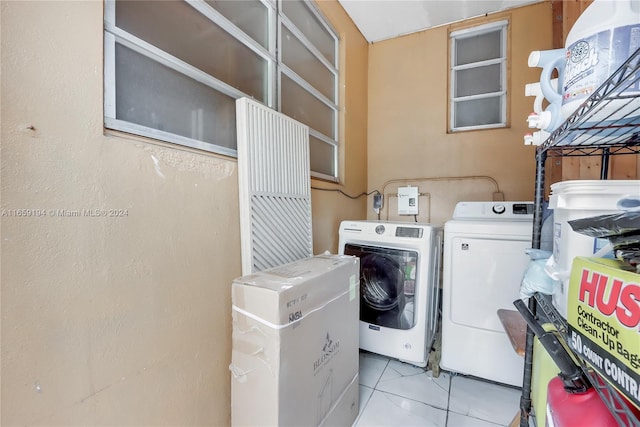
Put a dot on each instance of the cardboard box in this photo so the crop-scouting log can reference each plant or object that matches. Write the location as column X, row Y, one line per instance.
column 604, row 321
column 295, row 356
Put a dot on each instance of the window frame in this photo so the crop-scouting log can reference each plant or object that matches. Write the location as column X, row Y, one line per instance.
column 503, row 27
column 275, row 68
column 283, row 20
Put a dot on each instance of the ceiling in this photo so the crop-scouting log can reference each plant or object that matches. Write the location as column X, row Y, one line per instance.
column 384, row 19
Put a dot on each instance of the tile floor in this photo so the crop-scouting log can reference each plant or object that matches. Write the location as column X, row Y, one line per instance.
column 393, row 393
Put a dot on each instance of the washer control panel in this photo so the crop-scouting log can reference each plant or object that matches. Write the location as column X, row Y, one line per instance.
column 497, row 210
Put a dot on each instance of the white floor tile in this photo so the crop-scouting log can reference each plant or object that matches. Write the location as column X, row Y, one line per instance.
column 365, row 395
column 393, row 393
column 371, row 368
column 415, row 383
column 386, row 409
column 457, row 420
column 483, row 400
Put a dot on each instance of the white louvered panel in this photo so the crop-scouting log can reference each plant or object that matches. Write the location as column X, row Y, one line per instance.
column 275, row 187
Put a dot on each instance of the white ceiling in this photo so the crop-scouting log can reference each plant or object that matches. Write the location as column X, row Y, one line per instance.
column 384, row 19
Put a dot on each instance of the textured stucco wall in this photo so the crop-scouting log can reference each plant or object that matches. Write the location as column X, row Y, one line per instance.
column 114, row 320
column 408, row 92
column 105, row 320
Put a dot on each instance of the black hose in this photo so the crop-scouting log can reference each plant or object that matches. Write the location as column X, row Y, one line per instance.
column 571, row 374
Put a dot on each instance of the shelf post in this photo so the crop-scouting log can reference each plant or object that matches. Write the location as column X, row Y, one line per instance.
column 525, row 399
column 538, row 199
column 604, row 168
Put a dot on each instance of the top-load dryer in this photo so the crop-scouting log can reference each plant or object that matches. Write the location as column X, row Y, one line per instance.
column 399, row 285
column 484, row 260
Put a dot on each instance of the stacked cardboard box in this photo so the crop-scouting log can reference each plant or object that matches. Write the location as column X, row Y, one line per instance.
column 295, row 344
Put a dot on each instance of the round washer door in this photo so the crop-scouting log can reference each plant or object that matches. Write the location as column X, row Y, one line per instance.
column 382, row 282
column 382, row 290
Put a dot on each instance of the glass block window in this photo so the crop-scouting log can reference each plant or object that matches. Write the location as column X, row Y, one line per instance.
column 478, row 78
column 173, row 70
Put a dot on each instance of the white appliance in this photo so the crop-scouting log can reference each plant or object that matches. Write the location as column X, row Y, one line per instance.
column 399, row 285
column 483, row 263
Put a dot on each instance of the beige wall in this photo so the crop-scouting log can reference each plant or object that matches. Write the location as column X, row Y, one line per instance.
column 124, row 320
column 407, row 124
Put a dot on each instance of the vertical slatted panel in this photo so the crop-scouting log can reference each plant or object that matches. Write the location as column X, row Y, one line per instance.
column 275, row 187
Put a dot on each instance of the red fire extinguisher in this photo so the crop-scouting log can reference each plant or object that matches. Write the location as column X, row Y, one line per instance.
column 571, row 399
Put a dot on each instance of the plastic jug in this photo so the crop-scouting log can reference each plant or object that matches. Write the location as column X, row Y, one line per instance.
column 548, row 119
column 603, row 37
column 536, row 138
column 548, row 60
column 533, row 89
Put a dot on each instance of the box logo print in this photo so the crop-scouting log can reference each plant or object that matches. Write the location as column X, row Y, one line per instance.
column 329, row 349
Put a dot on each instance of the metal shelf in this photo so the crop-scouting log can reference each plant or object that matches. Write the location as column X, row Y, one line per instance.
column 608, row 119
column 607, row 393
column 607, row 123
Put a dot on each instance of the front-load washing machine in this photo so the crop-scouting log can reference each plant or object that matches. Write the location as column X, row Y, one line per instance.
column 483, row 262
column 399, row 285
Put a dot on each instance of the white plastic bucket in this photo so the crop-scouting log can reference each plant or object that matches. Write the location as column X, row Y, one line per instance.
column 574, row 200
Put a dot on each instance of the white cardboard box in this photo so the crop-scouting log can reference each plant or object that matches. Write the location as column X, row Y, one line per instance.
column 294, row 359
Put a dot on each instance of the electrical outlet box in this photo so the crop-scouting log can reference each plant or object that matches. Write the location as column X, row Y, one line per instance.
column 377, row 202
column 408, row 200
